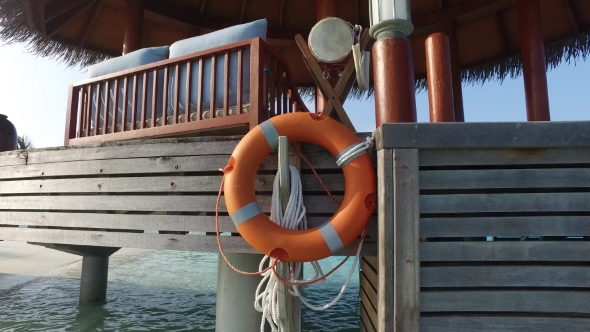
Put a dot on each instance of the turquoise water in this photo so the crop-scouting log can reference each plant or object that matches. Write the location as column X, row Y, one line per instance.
column 153, row 291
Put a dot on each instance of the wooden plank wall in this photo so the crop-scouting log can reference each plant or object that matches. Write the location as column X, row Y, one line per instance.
column 534, row 275
column 157, row 194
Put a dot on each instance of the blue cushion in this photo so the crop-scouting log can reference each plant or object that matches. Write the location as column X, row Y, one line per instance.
column 128, row 61
column 256, row 29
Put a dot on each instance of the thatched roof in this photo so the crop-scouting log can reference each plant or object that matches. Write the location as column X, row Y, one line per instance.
column 90, row 31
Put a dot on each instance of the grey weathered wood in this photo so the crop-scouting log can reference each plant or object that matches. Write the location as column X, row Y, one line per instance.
column 399, row 267
column 506, row 301
column 506, row 178
column 135, row 221
column 147, row 184
column 207, row 163
column 508, row 156
column 527, row 202
column 505, row 276
column 169, row 203
column 483, row 135
column 505, row 226
column 498, row 251
column 385, row 208
column 232, row 244
column 165, row 147
column 503, row 324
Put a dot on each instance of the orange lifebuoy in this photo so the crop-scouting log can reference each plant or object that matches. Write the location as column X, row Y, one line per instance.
column 298, row 245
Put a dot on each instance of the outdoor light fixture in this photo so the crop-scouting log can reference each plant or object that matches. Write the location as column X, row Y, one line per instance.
column 390, row 19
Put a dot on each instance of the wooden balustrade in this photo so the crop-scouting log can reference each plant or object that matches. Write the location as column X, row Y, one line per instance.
column 247, row 82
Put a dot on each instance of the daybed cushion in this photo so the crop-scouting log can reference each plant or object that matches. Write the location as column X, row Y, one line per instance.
column 256, row 29
column 128, row 61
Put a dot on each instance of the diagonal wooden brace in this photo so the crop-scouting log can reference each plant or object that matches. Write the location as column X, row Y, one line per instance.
column 323, row 85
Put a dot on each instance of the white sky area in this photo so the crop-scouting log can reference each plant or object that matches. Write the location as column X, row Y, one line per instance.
column 34, row 90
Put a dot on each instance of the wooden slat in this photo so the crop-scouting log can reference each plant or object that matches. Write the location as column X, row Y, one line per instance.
column 176, row 92
column 127, row 221
column 510, row 135
column 200, row 91
column 156, row 184
column 511, row 251
column 239, row 87
column 506, row 178
column 369, row 272
column 505, row 276
column 367, row 306
column 97, row 111
column 503, row 323
column 154, row 98
column 107, row 98
column 205, row 163
column 212, row 87
column 125, row 105
column 115, row 105
column 134, row 102
column 505, row 226
column 165, row 97
column 479, row 157
column 187, row 101
column 367, row 324
column 169, row 203
column 529, row 202
column 81, row 110
column 226, row 84
column 139, row 240
column 272, row 64
column 88, row 116
column 506, row 301
column 371, row 294
column 144, row 94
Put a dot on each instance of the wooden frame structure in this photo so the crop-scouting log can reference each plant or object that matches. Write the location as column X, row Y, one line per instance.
column 272, row 92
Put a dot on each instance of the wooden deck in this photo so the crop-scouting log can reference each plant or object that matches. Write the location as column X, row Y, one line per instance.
column 157, row 194
column 444, row 188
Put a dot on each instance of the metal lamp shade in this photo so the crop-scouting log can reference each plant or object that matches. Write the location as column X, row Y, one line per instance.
column 390, row 18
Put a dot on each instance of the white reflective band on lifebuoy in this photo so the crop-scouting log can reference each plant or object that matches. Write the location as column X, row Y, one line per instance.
column 246, row 213
column 331, row 237
column 346, row 150
column 270, row 133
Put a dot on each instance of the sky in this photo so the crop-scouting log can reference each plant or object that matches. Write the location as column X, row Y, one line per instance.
column 34, row 90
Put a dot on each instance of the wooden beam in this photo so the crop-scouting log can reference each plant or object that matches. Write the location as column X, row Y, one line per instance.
column 533, row 60
column 244, row 3
column 501, row 34
column 203, row 5
column 451, row 13
column 90, row 24
column 38, row 10
column 54, row 26
column 57, row 8
column 440, row 81
column 281, row 13
column 133, row 25
column 569, row 11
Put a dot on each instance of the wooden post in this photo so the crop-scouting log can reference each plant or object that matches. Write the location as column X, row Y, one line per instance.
column 440, row 82
column 450, row 29
column 533, row 60
column 399, row 256
column 133, row 25
column 93, row 283
column 289, row 306
column 393, row 72
column 325, row 8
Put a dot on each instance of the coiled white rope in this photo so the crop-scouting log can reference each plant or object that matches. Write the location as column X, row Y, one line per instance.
column 266, row 300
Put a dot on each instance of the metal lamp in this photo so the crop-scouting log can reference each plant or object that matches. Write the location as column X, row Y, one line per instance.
column 390, row 19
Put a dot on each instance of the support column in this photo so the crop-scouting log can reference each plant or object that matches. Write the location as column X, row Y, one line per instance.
column 450, row 28
column 533, row 60
column 236, row 294
column 440, row 82
column 325, row 8
column 93, row 285
column 393, row 72
column 133, row 25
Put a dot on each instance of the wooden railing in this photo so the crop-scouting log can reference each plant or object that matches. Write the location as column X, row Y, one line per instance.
column 229, row 89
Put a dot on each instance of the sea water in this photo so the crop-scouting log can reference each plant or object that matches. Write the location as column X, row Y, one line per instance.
column 155, row 291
